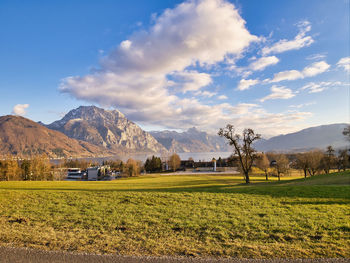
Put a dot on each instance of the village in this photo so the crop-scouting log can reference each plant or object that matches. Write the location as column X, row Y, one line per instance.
column 108, row 170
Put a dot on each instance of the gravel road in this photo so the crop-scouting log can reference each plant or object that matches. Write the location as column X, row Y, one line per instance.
column 19, row 255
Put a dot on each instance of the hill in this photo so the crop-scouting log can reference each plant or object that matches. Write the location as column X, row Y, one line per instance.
column 23, row 137
column 311, row 138
column 107, row 128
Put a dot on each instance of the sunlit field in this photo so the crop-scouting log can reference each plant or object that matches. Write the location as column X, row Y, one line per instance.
column 182, row 215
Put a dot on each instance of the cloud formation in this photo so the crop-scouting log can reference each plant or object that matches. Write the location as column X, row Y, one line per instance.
column 244, row 84
column 309, row 71
column 153, row 75
column 313, row 87
column 20, row 109
column 147, row 73
column 301, row 40
column 222, row 97
column 278, row 93
column 191, row 80
column 263, row 62
column 344, row 63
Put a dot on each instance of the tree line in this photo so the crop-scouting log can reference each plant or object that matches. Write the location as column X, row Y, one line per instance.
column 35, row 169
column 39, row 167
column 311, row 162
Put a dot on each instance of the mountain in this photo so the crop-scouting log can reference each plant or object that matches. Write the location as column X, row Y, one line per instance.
column 107, row 128
column 191, row 140
column 23, row 137
column 311, row 138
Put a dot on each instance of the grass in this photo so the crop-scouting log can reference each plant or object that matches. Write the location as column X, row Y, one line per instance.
column 192, row 215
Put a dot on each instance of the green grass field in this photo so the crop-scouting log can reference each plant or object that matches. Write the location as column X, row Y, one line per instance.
column 183, row 215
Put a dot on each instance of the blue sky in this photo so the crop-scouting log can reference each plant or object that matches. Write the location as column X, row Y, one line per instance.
column 275, row 66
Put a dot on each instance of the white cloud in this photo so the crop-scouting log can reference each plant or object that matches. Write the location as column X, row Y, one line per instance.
column 301, row 40
column 309, row 71
column 313, row 87
column 287, row 75
column 246, row 74
column 125, row 45
column 246, row 83
column 315, row 69
column 222, row 97
column 263, row 62
column 205, row 93
column 191, row 80
column 344, row 63
column 20, row 109
column 146, row 75
column 316, row 57
column 279, row 93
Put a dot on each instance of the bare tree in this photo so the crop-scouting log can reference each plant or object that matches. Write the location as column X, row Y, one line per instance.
column 302, row 163
column 342, row 160
column 242, row 147
column 175, row 161
column 263, row 163
column 132, row 167
column 328, row 160
column 314, row 160
column 281, row 163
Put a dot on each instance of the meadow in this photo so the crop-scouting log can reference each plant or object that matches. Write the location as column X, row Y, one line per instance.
column 182, row 215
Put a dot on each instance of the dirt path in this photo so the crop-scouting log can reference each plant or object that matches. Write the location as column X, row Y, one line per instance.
column 19, row 255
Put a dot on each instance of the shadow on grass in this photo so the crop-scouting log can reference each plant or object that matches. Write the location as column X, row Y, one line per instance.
column 276, row 191
column 321, row 186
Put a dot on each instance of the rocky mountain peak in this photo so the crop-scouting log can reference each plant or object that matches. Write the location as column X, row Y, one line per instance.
column 109, row 128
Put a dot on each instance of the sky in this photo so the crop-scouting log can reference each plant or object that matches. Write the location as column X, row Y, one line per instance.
column 274, row 66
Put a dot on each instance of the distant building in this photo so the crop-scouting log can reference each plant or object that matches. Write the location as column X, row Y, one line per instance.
column 74, row 174
column 92, row 173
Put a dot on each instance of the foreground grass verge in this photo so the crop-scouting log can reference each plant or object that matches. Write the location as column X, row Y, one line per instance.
column 197, row 215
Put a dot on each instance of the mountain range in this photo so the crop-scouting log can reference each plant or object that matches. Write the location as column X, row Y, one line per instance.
column 191, row 140
column 318, row 137
column 92, row 131
column 107, row 128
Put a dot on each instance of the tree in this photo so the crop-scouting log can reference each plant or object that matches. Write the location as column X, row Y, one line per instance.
column 263, row 163
column 26, row 169
column 302, row 163
column 115, row 165
column 314, row 161
column 10, row 169
column 40, row 168
column 153, row 164
column 242, row 147
column 342, row 160
column 132, row 167
column 175, row 161
column 282, row 165
column 328, row 160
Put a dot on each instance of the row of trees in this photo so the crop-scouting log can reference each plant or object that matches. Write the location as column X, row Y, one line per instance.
column 40, row 168
column 311, row 162
column 37, row 168
column 273, row 164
